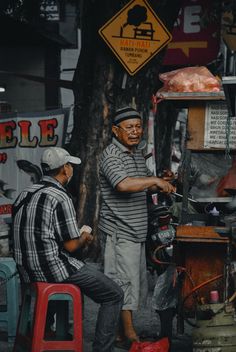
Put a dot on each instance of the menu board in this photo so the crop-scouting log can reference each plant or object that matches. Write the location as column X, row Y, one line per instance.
column 220, row 128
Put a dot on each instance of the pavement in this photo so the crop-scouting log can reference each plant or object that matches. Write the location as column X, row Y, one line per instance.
column 146, row 323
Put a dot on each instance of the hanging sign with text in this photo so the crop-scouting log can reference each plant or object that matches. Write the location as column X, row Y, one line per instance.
column 135, row 35
column 220, row 129
column 196, row 34
column 23, row 138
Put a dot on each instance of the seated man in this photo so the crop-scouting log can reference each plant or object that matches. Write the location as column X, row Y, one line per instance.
column 45, row 235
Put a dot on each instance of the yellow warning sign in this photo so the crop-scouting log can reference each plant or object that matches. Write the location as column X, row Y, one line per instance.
column 135, row 35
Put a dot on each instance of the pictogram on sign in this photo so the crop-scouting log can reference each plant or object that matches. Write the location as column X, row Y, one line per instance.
column 135, row 35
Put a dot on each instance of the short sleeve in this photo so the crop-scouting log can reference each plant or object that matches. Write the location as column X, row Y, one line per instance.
column 65, row 220
column 113, row 170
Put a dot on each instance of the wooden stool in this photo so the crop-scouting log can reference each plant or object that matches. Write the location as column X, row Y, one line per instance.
column 10, row 310
column 31, row 334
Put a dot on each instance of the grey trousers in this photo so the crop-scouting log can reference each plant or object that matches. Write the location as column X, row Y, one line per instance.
column 125, row 263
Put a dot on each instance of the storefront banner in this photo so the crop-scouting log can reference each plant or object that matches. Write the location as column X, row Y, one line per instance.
column 23, row 138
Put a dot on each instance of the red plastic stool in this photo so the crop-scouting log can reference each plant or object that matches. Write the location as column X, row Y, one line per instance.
column 31, row 335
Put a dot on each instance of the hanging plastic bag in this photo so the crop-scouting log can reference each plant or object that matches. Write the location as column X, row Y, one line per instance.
column 189, row 79
column 165, row 294
column 148, row 346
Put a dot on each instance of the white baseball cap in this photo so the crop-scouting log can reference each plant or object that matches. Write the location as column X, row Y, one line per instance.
column 55, row 157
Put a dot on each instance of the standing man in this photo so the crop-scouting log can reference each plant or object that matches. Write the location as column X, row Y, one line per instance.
column 125, row 181
column 45, row 236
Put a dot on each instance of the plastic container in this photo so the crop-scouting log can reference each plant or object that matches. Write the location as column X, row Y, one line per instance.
column 214, row 217
column 214, row 297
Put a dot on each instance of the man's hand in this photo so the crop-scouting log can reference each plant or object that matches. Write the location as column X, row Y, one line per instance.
column 85, row 239
column 168, row 175
column 165, row 186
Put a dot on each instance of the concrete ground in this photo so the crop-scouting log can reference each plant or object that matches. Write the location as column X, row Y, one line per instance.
column 145, row 320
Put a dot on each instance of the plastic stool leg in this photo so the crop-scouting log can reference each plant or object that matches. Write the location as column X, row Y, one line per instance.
column 45, row 293
column 25, row 321
column 40, row 315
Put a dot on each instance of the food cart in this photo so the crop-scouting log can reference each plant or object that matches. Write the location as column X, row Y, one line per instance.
column 203, row 252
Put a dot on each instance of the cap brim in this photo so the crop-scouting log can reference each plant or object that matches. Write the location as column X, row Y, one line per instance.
column 74, row 160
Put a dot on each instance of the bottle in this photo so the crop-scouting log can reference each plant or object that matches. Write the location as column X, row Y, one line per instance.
column 214, row 217
column 214, row 297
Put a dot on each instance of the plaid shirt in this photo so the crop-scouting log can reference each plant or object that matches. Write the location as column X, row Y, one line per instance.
column 39, row 229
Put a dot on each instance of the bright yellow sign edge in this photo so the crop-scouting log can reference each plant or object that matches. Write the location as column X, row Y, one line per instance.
column 107, row 42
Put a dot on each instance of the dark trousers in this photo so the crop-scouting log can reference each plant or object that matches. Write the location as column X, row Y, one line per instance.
column 109, row 295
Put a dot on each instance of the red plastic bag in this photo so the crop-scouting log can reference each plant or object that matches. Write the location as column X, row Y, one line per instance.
column 147, row 346
column 189, row 79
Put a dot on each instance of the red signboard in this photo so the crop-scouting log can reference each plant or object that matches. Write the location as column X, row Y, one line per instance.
column 196, row 35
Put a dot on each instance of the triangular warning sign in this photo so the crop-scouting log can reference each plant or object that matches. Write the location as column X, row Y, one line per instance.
column 135, row 35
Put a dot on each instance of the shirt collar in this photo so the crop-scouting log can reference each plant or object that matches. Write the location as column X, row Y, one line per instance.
column 121, row 146
column 52, row 180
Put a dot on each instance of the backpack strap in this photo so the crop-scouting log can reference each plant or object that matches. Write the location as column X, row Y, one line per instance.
column 24, row 201
column 27, row 199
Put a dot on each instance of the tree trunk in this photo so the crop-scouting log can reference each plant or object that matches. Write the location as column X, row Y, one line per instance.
column 98, row 91
column 165, row 121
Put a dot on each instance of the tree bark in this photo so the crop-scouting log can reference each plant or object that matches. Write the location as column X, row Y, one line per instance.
column 98, row 91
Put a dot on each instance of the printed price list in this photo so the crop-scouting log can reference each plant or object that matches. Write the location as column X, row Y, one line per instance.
column 220, row 129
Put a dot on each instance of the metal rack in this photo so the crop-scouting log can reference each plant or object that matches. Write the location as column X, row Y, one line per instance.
column 195, row 101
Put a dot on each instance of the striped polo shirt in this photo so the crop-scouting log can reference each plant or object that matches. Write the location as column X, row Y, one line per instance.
column 40, row 227
column 122, row 213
